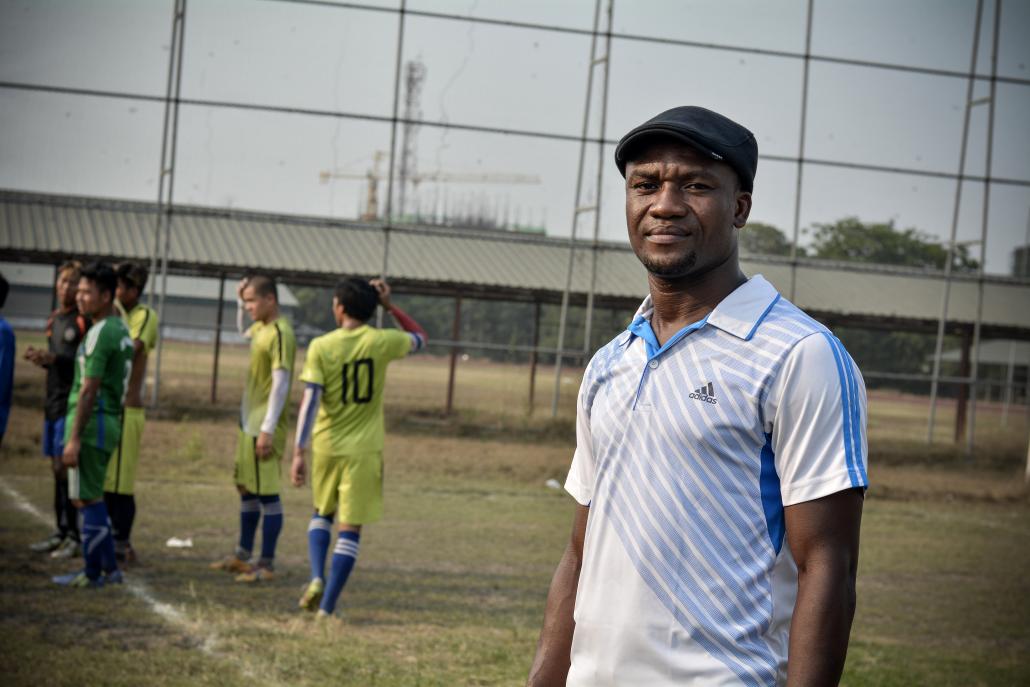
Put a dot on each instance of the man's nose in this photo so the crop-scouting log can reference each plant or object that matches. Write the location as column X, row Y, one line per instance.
column 668, row 202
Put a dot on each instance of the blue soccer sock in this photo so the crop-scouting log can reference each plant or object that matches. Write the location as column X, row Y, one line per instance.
column 270, row 528
column 320, row 533
column 344, row 556
column 250, row 515
column 97, row 542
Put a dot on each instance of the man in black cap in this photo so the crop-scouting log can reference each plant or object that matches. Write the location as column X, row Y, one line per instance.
column 720, row 464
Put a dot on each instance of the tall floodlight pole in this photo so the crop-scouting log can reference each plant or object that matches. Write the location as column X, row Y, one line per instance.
column 949, row 253
column 801, row 154
column 971, row 430
column 577, row 211
column 164, row 202
column 589, row 325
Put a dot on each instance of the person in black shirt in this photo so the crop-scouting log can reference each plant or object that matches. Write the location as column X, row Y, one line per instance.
column 64, row 330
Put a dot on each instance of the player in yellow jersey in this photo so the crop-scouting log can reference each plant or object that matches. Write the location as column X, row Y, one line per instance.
column 344, row 372
column 261, row 437
column 120, row 481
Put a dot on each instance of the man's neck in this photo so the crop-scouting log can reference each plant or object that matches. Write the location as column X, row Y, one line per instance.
column 271, row 317
column 129, row 307
column 351, row 323
column 680, row 302
column 102, row 313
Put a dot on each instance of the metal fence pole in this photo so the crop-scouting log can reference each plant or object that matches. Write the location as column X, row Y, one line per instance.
column 589, row 325
column 949, row 254
column 165, row 204
column 383, row 270
column 801, row 153
column 577, row 210
column 456, row 338
column 218, row 338
column 971, row 434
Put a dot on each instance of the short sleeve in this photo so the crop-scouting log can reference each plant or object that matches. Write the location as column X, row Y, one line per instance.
column 580, row 480
column 396, row 343
column 101, row 342
column 312, row 372
column 816, row 417
column 280, row 348
column 145, row 329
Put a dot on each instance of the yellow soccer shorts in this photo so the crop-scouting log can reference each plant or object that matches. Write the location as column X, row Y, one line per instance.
column 121, row 469
column 259, row 477
column 351, row 486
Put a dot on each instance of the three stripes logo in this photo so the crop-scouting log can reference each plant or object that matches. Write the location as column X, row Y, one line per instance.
column 705, row 393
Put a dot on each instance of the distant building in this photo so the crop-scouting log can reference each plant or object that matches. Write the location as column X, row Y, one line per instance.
column 190, row 312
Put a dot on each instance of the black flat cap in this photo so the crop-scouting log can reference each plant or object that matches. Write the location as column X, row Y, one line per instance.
column 718, row 137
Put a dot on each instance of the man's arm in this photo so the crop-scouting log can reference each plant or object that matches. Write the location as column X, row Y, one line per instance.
column 87, row 398
column 305, row 425
column 553, row 650
column 419, row 338
column 823, row 536
column 276, row 403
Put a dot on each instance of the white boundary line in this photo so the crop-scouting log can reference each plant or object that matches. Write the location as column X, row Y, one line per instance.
column 207, row 642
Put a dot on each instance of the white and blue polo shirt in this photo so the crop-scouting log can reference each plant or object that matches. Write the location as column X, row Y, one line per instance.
column 687, row 455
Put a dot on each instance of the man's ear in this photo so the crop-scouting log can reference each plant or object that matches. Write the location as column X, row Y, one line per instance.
column 742, row 209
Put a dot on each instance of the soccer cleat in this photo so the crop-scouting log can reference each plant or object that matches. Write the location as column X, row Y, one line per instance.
column 69, row 548
column 258, row 573
column 232, row 564
column 48, row 544
column 312, row 595
column 78, row 579
column 322, row 615
column 114, row 577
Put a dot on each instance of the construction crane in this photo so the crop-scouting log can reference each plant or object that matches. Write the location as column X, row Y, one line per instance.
column 374, row 175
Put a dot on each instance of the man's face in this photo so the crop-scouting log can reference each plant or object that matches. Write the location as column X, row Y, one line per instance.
column 683, row 210
column 66, row 287
column 127, row 294
column 90, row 298
column 258, row 307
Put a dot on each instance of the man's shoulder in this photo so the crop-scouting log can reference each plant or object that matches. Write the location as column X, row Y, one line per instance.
column 787, row 322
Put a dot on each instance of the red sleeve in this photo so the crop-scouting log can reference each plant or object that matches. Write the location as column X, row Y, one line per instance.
column 406, row 323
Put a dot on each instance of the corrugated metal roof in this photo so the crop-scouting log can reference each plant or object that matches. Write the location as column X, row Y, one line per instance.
column 37, row 225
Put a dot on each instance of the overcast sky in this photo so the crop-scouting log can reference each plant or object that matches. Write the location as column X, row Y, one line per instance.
column 342, row 60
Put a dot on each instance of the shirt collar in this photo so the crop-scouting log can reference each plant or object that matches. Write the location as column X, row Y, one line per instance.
column 738, row 314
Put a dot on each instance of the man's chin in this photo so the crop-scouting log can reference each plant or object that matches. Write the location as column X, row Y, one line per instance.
column 670, row 269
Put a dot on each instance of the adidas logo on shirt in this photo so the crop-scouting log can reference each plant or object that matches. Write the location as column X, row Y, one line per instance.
column 705, row 393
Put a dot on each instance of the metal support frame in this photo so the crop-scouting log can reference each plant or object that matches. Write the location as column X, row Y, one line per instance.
column 950, row 252
column 165, row 201
column 578, row 208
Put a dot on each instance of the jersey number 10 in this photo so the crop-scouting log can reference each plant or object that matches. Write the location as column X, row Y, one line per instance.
column 357, row 381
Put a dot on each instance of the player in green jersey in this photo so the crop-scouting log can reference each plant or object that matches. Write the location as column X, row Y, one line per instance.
column 120, row 483
column 341, row 419
column 261, row 437
column 93, row 423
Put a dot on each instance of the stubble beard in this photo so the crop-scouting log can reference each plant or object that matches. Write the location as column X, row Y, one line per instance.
column 680, row 267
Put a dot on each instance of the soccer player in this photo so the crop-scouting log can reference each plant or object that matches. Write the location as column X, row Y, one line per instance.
column 6, row 363
column 344, row 372
column 120, row 484
column 261, row 437
column 64, row 331
column 93, row 423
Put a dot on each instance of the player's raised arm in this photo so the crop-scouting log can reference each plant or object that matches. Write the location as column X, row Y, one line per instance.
column 419, row 338
column 305, row 424
column 240, row 309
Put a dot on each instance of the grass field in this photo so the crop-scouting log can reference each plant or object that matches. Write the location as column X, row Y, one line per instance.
column 449, row 588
